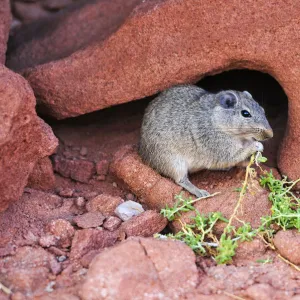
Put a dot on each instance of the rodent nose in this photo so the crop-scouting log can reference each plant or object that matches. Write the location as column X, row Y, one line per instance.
column 268, row 133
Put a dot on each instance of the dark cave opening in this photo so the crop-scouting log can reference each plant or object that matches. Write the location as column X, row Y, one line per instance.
column 124, row 120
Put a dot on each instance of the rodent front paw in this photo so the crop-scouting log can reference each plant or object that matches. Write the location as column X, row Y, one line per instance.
column 259, row 146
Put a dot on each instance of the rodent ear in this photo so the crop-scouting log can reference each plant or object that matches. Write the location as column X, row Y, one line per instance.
column 247, row 94
column 228, row 100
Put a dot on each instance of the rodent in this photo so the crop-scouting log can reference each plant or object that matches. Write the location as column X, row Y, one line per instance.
column 186, row 129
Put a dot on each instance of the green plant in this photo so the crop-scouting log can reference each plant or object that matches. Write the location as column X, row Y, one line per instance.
column 180, row 206
column 285, row 213
column 285, row 206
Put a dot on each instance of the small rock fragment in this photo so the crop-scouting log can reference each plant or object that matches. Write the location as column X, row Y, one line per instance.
column 90, row 219
column 89, row 239
column 63, row 230
column 78, row 170
column 42, row 176
column 112, row 223
column 80, row 202
column 104, row 203
column 145, row 224
column 102, row 167
column 100, row 177
column 130, row 196
column 83, row 151
column 87, row 258
column 89, row 195
column 48, row 240
column 66, row 193
column 288, row 245
column 128, row 209
column 29, row 269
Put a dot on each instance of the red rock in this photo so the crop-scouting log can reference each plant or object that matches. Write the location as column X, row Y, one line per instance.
column 89, row 195
column 112, row 223
column 260, row 291
column 249, row 251
column 102, row 167
column 87, row 258
column 78, row 170
column 106, row 204
column 59, row 294
column 181, row 47
column 90, row 219
column 151, row 189
column 239, row 281
column 48, row 240
column 28, row 270
column 145, row 224
column 86, row 240
column 56, row 251
column 80, row 202
column 178, row 273
column 42, row 176
column 5, row 20
column 288, row 245
column 138, row 269
column 79, row 25
column 67, row 193
column 63, row 230
column 24, row 138
column 83, row 151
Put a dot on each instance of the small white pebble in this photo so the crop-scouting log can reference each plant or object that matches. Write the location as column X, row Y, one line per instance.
column 128, row 209
column 61, row 258
column 49, row 287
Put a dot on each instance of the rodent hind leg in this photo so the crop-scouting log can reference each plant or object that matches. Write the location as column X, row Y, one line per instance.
column 175, row 167
column 186, row 184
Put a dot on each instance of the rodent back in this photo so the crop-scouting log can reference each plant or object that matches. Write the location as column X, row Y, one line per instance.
column 175, row 112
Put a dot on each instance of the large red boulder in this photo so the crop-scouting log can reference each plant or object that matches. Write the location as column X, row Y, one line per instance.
column 24, row 138
column 166, row 42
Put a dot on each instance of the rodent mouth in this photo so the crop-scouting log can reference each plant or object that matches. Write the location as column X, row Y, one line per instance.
column 262, row 135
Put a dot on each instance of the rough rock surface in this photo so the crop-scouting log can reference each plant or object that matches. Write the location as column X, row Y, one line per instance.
column 194, row 38
column 90, row 219
column 152, row 189
column 5, row 19
column 145, row 224
column 79, row 170
column 58, row 36
column 288, row 245
column 63, row 230
column 106, row 204
column 28, row 270
column 86, row 240
column 270, row 281
column 24, row 138
column 42, row 176
column 135, row 269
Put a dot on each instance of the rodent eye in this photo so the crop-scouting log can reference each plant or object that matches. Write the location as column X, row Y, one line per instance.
column 246, row 114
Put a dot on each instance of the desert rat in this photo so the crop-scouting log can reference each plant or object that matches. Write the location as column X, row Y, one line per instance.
column 186, row 129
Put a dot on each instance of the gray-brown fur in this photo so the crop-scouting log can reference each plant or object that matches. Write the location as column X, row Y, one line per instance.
column 186, row 129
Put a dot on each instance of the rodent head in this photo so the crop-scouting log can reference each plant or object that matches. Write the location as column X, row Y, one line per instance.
column 236, row 113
